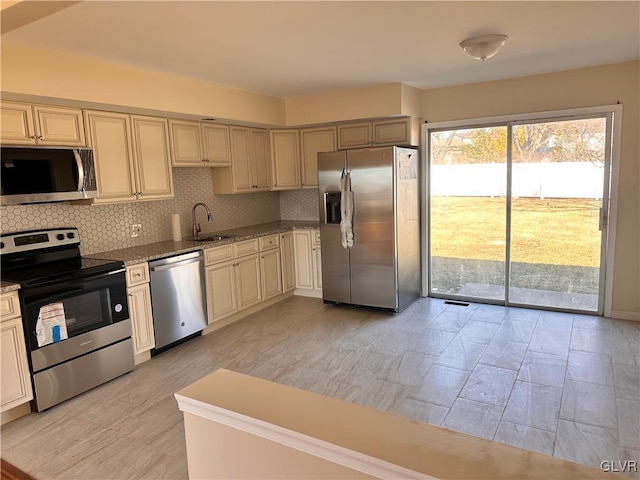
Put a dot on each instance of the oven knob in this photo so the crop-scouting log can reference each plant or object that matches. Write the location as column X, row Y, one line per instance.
column 71, row 235
column 60, row 236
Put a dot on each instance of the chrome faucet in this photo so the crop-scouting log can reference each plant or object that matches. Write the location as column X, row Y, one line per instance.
column 196, row 225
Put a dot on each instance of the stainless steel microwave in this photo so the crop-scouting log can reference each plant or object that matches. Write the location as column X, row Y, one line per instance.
column 44, row 174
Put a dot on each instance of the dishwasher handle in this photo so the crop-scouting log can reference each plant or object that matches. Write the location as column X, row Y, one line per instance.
column 175, row 262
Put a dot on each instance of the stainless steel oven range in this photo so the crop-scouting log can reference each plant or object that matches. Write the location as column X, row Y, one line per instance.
column 74, row 311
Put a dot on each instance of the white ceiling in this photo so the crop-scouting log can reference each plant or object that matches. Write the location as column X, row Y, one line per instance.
column 294, row 48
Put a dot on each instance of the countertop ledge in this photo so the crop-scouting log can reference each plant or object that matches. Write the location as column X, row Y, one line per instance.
column 7, row 287
column 167, row 248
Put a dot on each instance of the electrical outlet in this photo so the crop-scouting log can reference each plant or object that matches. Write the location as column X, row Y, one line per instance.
column 135, row 229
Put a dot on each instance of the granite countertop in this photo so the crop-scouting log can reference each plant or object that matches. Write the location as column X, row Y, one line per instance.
column 6, row 287
column 166, row 248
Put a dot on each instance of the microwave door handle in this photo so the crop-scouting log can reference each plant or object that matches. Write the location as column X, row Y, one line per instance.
column 76, row 155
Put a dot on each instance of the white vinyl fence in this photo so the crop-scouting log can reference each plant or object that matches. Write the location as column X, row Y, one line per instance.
column 541, row 180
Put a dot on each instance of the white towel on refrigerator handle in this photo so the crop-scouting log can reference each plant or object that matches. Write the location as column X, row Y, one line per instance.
column 346, row 209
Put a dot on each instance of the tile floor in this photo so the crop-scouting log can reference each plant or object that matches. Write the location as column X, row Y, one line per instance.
column 559, row 384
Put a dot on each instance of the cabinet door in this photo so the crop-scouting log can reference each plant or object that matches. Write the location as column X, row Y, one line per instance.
column 317, row 268
column 58, row 125
column 151, row 153
column 241, row 159
column 186, row 149
column 215, row 145
column 271, row 274
column 285, row 159
column 16, row 121
column 109, row 136
column 141, row 318
column 15, row 381
column 313, row 141
column 260, row 159
column 248, row 281
column 303, row 258
column 392, row 132
column 354, row 135
column 288, row 263
column 221, row 291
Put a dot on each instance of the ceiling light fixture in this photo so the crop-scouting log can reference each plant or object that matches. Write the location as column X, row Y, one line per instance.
column 484, row 46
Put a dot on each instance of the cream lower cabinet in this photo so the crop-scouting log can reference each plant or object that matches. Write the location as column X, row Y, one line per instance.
column 15, row 378
column 308, row 263
column 132, row 156
column 270, row 266
column 233, row 279
column 287, row 260
column 26, row 124
column 140, row 312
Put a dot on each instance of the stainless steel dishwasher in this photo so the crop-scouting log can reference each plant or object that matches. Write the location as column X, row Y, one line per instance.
column 178, row 297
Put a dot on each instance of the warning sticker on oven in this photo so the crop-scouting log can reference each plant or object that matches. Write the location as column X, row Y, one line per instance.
column 51, row 326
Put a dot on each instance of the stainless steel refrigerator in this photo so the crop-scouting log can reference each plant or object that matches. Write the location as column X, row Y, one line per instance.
column 379, row 266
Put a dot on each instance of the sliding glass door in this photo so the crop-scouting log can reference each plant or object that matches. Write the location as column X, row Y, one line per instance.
column 516, row 212
column 468, row 205
column 557, row 191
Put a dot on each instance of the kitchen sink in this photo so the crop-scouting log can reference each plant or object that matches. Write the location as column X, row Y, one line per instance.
column 212, row 237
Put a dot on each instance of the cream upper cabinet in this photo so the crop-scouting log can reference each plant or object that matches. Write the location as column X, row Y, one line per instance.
column 151, row 157
column 397, row 131
column 131, row 155
column 140, row 312
column 113, row 153
column 250, row 165
column 285, row 159
column 196, row 144
column 288, row 262
column 354, row 135
column 312, row 142
column 400, row 131
column 26, row 124
column 15, row 380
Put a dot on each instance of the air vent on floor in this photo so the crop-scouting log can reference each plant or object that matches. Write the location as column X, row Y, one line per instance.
column 460, row 304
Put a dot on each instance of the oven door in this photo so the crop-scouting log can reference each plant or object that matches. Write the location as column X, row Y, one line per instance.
column 94, row 312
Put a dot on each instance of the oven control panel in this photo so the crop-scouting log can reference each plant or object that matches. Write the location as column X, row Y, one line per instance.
column 18, row 242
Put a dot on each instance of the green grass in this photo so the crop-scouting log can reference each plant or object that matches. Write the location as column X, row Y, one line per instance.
column 544, row 231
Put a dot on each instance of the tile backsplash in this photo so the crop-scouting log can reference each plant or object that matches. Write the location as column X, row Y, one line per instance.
column 299, row 205
column 108, row 227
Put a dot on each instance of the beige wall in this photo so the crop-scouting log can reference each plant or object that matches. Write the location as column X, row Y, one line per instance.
column 28, row 72
column 348, row 104
column 602, row 85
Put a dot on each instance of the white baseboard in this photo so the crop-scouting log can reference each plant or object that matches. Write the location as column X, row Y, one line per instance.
column 625, row 315
column 307, row 292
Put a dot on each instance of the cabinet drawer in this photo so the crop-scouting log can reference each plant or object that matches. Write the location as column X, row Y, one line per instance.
column 315, row 237
column 137, row 274
column 9, row 306
column 269, row 241
column 218, row 254
column 247, row 247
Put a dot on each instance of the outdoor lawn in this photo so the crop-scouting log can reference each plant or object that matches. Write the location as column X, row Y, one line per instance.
column 555, row 244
